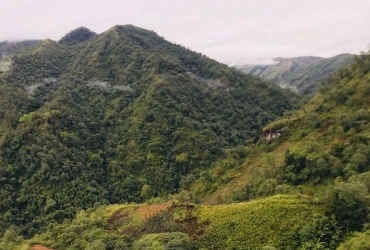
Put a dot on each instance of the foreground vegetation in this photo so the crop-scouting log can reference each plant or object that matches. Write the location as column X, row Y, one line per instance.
column 275, row 222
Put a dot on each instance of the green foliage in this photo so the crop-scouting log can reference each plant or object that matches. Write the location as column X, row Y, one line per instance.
column 321, row 233
column 349, row 202
column 358, row 241
column 163, row 241
column 12, row 239
column 273, row 221
column 122, row 117
column 326, row 146
column 89, row 230
column 76, row 36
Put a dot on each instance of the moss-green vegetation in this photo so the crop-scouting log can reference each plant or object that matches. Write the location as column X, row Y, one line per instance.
column 276, row 222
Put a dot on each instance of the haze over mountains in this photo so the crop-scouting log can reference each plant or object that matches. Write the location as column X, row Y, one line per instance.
column 123, row 140
column 300, row 74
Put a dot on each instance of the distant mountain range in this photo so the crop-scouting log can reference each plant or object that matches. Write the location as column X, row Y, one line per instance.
column 300, row 74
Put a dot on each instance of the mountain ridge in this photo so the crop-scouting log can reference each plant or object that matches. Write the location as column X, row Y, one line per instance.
column 300, row 74
column 117, row 118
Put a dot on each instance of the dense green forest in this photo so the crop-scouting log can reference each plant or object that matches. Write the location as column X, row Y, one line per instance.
column 120, row 117
column 127, row 141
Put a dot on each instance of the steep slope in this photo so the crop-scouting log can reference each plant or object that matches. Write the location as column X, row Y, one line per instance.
column 320, row 150
column 300, row 74
column 119, row 118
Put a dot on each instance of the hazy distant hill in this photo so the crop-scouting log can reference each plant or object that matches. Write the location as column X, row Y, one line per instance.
column 10, row 47
column 300, row 74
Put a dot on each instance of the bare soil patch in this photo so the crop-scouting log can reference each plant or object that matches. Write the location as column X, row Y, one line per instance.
column 39, row 247
column 148, row 211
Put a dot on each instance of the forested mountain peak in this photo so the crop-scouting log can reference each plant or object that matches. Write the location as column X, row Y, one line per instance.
column 122, row 117
column 77, row 36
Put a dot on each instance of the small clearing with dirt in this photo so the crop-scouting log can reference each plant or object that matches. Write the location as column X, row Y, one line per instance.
column 39, row 247
column 148, row 211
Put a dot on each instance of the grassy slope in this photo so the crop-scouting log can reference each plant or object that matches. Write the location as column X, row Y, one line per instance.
column 273, row 221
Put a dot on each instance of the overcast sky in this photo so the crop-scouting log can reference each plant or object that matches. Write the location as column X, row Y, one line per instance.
column 230, row 31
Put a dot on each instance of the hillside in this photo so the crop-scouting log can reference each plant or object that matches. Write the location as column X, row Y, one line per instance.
column 121, row 117
column 272, row 223
column 321, row 150
column 300, row 74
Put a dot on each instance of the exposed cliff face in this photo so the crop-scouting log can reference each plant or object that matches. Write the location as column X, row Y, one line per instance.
column 270, row 135
column 300, row 74
column 267, row 136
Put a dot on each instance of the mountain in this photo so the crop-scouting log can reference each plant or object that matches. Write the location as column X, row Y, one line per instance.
column 77, row 36
column 127, row 117
column 303, row 184
column 121, row 117
column 300, row 74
